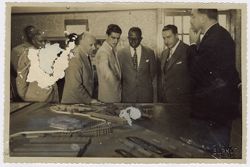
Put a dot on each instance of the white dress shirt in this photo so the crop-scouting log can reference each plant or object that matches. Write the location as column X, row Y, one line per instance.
column 114, row 50
column 172, row 50
column 138, row 53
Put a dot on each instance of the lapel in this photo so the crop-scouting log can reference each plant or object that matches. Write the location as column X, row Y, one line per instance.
column 210, row 30
column 176, row 55
column 117, row 64
column 113, row 59
column 130, row 61
column 143, row 58
column 85, row 61
column 164, row 57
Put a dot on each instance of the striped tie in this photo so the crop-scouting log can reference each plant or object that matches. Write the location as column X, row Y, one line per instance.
column 135, row 60
column 90, row 64
column 170, row 54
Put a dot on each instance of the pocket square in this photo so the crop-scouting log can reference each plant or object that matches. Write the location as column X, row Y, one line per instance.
column 180, row 62
column 147, row 60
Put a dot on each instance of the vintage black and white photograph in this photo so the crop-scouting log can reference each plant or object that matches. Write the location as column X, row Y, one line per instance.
column 127, row 81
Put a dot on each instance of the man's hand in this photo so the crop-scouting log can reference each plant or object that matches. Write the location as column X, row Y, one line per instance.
column 194, row 36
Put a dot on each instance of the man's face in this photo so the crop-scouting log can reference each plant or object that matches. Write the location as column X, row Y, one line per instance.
column 134, row 39
column 98, row 46
column 87, row 44
column 196, row 20
column 170, row 39
column 113, row 39
column 37, row 38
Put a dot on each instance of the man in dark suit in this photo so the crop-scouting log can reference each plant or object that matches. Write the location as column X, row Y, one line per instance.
column 212, row 67
column 213, row 72
column 174, row 75
column 138, row 70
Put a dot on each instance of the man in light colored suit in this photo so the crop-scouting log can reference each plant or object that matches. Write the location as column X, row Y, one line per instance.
column 174, row 85
column 79, row 78
column 108, row 68
column 138, row 69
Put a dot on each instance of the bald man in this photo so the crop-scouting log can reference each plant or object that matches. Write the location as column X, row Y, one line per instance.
column 79, row 78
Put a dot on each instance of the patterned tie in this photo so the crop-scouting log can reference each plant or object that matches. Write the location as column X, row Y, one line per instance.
column 170, row 54
column 135, row 60
column 113, row 51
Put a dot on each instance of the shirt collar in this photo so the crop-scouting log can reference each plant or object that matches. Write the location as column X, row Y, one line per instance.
column 138, row 48
column 108, row 45
column 175, row 46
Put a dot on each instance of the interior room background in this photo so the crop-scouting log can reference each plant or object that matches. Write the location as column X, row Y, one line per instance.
column 151, row 21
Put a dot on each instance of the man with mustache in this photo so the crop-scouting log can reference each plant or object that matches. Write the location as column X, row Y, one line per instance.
column 174, row 85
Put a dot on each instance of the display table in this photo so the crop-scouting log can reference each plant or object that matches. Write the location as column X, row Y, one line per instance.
column 161, row 132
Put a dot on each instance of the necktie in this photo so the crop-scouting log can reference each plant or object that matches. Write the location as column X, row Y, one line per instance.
column 114, row 52
column 90, row 64
column 135, row 60
column 167, row 61
column 170, row 54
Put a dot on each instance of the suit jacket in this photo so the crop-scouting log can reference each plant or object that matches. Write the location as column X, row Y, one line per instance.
column 109, row 74
column 79, row 79
column 174, row 76
column 30, row 91
column 214, row 75
column 16, row 53
column 137, row 86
